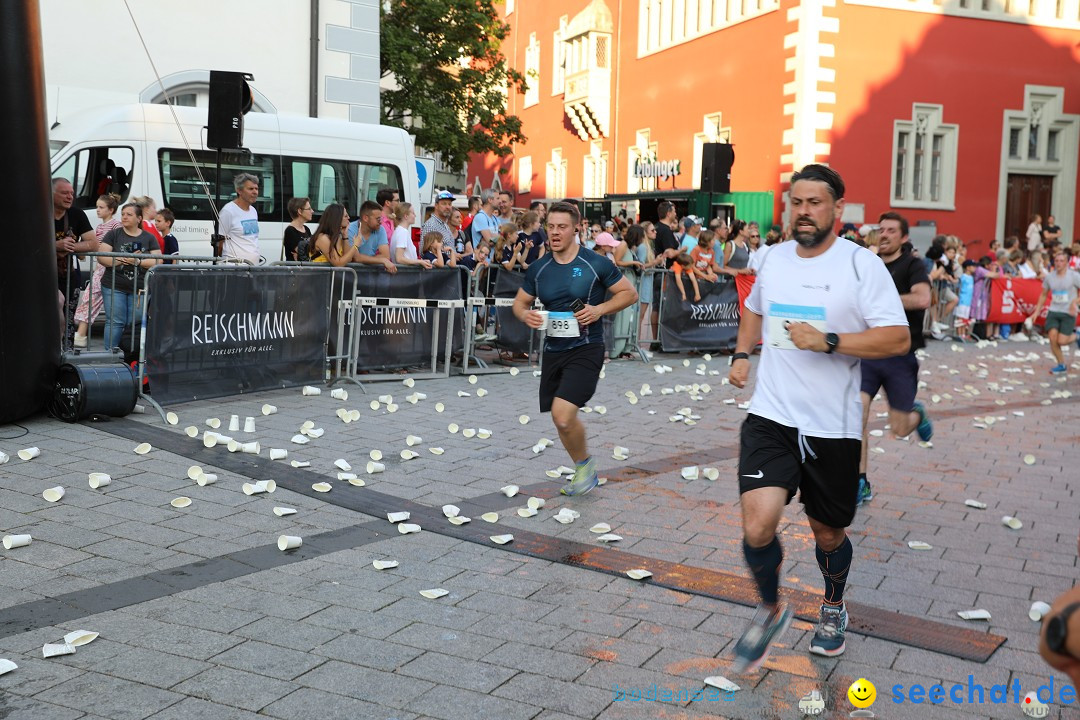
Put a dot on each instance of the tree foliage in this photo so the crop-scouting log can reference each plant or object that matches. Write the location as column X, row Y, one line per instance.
column 451, row 78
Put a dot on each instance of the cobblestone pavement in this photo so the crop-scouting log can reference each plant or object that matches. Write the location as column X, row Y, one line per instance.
column 201, row 616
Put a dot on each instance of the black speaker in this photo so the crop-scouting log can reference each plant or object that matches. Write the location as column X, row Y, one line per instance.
column 230, row 100
column 716, row 162
column 86, row 390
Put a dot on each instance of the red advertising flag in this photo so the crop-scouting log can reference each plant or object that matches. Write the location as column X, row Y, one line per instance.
column 1012, row 300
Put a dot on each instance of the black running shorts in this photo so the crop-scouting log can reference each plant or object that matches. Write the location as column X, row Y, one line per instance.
column 571, row 375
column 825, row 471
column 898, row 375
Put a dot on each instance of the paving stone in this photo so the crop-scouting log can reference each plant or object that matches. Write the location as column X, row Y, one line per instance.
column 329, row 706
column 381, row 688
column 110, row 697
column 234, row 687
column 149, row 667
column 271, row 660
column 447, row 703
column 190, row 708
column 369, row 652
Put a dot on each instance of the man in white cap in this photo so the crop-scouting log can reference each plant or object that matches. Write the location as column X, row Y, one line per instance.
column 691, row 229
column 444, row 208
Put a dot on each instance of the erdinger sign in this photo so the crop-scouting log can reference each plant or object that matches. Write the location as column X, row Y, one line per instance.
column 650, row 167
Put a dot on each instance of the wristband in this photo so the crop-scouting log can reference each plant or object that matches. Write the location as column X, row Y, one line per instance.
column 740, row 356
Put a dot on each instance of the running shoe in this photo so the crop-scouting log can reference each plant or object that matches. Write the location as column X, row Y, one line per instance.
column 829, row 633
column 925, row 428
column 584, row 480
column 865, row 494
column 766, row 627
column 1058, row 369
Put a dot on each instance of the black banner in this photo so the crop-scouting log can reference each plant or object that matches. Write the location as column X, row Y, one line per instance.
column 513, row 335
column 393, row 335
column 711, row 324
column 212, row 332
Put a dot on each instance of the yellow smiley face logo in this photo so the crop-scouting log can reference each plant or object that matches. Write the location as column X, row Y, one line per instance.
column 862, row 693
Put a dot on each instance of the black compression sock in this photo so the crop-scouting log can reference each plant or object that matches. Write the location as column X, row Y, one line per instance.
column 765, row 564
column 834, row 567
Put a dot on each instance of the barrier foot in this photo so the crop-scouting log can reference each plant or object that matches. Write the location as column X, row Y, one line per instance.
column 152, row 401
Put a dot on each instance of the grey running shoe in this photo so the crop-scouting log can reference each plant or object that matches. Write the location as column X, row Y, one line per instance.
column 584, row 480
column 766, row 627
column 829, row 634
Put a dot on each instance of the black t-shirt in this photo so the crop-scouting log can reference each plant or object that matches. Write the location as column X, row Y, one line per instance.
column 665, row 240
column 74, row 223
column 908, row 271
column 124, row 278
column 534, row 242
column 291, row 238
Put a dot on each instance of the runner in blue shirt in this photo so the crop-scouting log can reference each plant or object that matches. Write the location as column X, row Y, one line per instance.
column 571, row 282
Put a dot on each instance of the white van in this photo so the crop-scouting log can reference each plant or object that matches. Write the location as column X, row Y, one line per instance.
column 138, row 150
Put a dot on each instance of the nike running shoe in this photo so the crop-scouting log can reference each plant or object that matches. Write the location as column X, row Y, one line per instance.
column 766, row 627
column 1058, row 369
column 925, row 428
column 865, row 494
column 584, row 480
column 829, row 633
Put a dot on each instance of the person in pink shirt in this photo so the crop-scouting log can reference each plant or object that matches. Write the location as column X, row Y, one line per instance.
column 387, row 198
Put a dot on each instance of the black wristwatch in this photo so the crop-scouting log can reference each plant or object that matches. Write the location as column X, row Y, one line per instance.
column 1057, row 630
column 832, row 341
column 740, row 356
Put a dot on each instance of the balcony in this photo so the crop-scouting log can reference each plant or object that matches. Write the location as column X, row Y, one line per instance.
column 587, row 102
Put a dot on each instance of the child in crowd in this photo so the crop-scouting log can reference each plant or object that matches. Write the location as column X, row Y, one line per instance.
column 164, row 222
column 703, row 257
column 478, row 258
column 684, row 265
column 963, row 308
column 432, row 248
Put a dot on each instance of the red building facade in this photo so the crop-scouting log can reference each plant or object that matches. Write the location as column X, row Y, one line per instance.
column 962, row 113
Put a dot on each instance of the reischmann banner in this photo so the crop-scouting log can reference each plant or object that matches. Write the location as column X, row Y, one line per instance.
column 709, row 324
column 212, row 332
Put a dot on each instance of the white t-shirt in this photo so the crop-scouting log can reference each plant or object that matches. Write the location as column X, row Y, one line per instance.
column 402, row 239
column 241, row 231
column 758, row 256
column 846, row 289
column 1034, row 237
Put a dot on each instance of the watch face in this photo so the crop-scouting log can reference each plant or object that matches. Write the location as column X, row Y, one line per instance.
column 1056, row 633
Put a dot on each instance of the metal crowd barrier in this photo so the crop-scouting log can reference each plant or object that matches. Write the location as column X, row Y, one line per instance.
column 338, row 366
column 444, row 319
column 138, row 279
column 719, row 308
column 631, row 317
column 483, row 294
column 939, row 294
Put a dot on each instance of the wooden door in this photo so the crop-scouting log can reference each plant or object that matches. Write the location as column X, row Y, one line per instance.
column 1026, row 196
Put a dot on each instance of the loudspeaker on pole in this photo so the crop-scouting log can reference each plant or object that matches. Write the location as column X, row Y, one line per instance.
column 716, row 162
column 230, row 100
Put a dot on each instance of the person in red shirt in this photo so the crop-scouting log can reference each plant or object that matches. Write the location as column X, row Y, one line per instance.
column 474, row 207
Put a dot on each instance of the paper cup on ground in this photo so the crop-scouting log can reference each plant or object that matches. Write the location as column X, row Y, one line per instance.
column 262, row 486
column 412, row 440
column 375, row 455
column 1011, row 522
column 7, row 666
column 191, row 431
column 29, row 453
column 213, row 423
column 375, row 467
column 172, row 418
column 278, row 453
column 56, row 649
column 283, row 511
column 14, row 541
column 342, row 464
column 4, row 457
column 339, row 394
column 408, row 382
column 98, row 480
column 180, row 502
column 289, row 542
column 194, row 472
column 1038, row 610
column 234, row 423
column 251, row 448
column 384, row 564
column 206, row 479
column 269, row 409
column 311, row 390
column 249, row 425
column 53, row 494
column 77, row 638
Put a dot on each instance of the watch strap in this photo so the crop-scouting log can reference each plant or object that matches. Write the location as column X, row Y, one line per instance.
column 740, row 356
column 1055, row 643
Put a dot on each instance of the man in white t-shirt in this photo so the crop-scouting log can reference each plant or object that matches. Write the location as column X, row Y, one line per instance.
column 240, row 222
column 818, row 306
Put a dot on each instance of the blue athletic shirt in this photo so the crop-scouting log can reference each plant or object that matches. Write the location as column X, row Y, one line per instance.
column 587, row 277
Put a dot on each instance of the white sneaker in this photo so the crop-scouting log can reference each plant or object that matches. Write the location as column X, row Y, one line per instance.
column 1018, row 337
column 80, row 340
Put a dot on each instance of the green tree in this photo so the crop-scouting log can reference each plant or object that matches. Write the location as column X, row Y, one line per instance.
column 451, row 78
